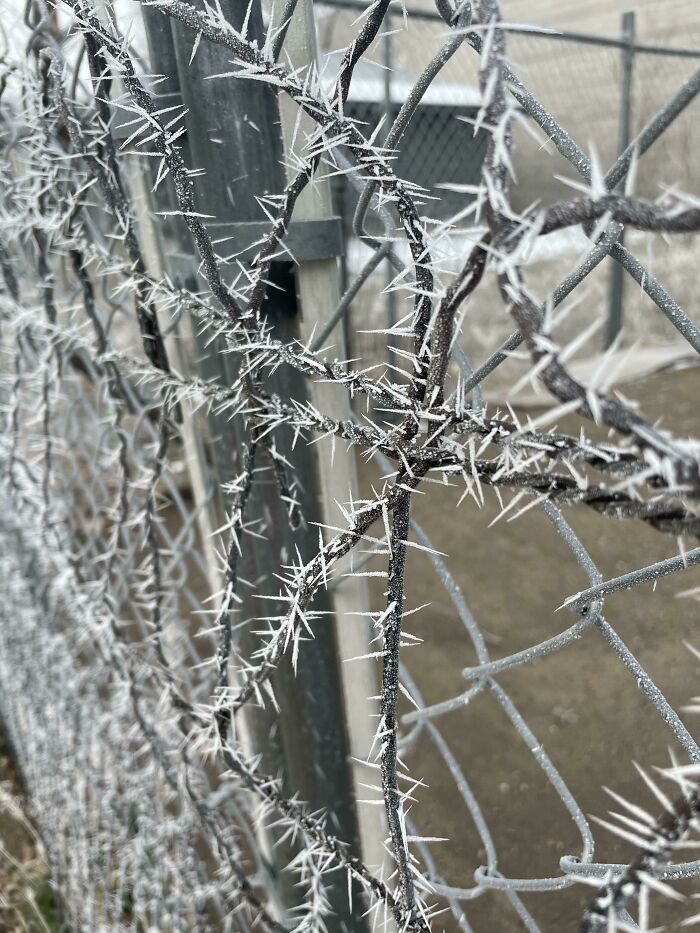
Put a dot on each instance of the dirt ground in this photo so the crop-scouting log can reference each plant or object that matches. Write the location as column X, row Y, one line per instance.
column 580, row 702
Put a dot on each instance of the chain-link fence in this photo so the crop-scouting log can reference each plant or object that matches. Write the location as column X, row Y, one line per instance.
column 246, row 687
column 580, row 80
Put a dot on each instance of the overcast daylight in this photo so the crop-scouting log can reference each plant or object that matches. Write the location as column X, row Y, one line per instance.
column 349, row 466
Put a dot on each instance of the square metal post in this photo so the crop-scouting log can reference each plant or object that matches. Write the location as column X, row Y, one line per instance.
column 617, row 272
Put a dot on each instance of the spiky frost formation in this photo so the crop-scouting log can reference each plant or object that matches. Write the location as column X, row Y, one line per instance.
column 126, row 709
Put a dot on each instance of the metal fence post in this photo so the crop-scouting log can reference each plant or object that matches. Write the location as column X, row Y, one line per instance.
column 616, row 271
column 318, row 283
column 233, row 134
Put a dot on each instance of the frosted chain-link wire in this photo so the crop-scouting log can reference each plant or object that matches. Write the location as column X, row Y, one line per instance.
column 147, row 805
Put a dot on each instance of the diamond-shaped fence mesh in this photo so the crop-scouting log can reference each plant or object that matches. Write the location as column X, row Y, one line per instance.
column 579, row 82
column 279, row 639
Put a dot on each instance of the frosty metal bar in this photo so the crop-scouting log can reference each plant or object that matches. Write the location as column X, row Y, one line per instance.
column 636, row 577
column 526, row 30
column 616, row 278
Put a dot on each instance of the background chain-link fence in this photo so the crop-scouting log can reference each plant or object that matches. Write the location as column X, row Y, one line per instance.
column 249, row 679
column 580, row 79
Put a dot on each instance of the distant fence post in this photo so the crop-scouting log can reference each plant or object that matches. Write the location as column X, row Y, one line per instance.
column 617, row 272
column 388, row 62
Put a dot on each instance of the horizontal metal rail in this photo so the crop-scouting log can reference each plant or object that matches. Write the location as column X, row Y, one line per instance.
column 521, row 29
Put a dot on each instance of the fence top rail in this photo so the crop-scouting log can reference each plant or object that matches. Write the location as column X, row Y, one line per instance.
column 543, row 31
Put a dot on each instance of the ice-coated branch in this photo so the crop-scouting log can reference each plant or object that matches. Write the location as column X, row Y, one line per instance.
column 661, row 840
column 391, row 623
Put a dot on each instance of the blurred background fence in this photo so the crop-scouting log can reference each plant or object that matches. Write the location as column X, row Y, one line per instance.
column 603, row 88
